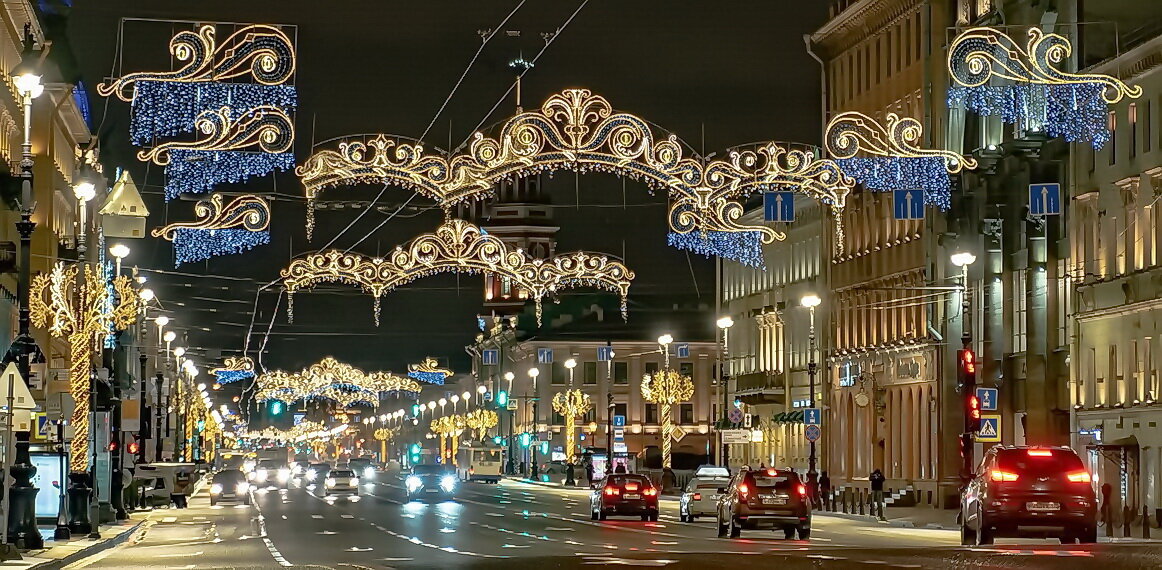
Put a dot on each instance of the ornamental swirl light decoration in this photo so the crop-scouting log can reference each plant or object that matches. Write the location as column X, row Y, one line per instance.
column 429, row 371
column 223, row 152
column 481, row 420
column 1042, row 96
column 898, row 162
column 73, row 304
column 666, row 388
column 460, row 247
column 576, row 130
column 220, row 230
column 331, row 380
column 233, row 369
column 571, row 404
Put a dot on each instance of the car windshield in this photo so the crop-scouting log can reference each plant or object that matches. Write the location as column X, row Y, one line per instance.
column 710, row 483
column 342, row 473
column 229, row 476
column 1040, row 462
column 621, row 480
column 428, row 469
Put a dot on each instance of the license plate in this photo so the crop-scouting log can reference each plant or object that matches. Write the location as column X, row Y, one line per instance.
column 635, row 496
column 1043, row 506
column 774, row 500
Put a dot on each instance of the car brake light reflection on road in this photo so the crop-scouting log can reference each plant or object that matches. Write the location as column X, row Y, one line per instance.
column 1002, row 475
column 1079, row 477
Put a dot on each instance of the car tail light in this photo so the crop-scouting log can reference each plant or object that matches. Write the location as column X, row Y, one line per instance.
column 1079, row 477
column 1040, row 453
column 996, row 475
column 803, row 490
column 743, row 490
column 697, row 496
column 631, row 486
column 612, row 491
column 650, row 492
column 770, row 472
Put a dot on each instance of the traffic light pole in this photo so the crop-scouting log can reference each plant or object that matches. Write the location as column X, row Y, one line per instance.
column 967, row 369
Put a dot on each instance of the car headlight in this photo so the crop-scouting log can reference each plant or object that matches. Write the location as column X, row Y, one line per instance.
column 215, row 489
column 448, row 482
column 260, row 475
column 413, row 483
column 242, row 487
column 369, row 472
column 283, row 474
column 312, row 474
column 354, row 481
column 330, row 482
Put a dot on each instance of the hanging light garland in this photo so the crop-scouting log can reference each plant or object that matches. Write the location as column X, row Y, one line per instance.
column 578, row 131
column 429, row 371
column 666, row 388
column 331, row 380
column 460, row 247
column 1033, row 92
column 220, row 230
column 234, row 369
column 897, row 162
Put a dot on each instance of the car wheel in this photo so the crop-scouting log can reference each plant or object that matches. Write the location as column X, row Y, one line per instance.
column 789, row 533
column 593, row 515
column 722, row 529
column 984, row 535
column 645, row 517
column 804, row 533
column 1088, row 535
column 967, row 535
column 735, row 530
column 654, row 517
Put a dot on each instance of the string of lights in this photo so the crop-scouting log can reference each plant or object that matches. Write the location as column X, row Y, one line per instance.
column 241, row 225
column 166, row 109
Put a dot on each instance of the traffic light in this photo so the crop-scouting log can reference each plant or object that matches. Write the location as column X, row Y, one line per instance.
column 525, row 440
column 972, row 413
column 501, row 399
column 497, row 440
column 416, row 410
column 544, row 448
column 134, row 447
column 415, row 453
column 276, row 407
column 966, row 369
column 966, row 445
column 113, row 446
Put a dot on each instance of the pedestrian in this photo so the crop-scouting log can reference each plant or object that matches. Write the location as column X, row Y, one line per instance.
column 813, row 488
column 1106, row 510
column 877, row 488
column 589, row 472
column 825, row 488
column 620, row 468
column 181, row 487
column 570, row 472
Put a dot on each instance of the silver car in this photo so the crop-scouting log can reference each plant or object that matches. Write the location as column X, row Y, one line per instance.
column 341, row 481
column 700, row 498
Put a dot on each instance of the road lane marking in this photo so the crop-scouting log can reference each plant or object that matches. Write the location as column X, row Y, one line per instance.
column 274, row 553
column 416, row 540
column 316, row 516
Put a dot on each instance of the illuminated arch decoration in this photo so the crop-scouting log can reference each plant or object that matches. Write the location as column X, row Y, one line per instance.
column 576, row 130
column 332, row 380
column 429, row 371
column 897, row 161
column 992, row 75
column 225, row 151
column 167, row 103
column 239, row 226
column 234, row 369
column 460, row 247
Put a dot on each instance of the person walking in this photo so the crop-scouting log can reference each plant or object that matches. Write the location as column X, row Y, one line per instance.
column 181, row 487
column 570, row 472
column 588, row 472
column 825, row 488
column 877, row 488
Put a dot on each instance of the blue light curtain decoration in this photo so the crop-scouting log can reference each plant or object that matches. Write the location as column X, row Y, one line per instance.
column 241, row 225
column 429, row 371
column 744, row 247
column 896, row 161
column 167, row 108
column 234, row 369
column 993, row 75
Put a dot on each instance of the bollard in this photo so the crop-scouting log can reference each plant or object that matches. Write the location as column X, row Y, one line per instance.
column 833, row 501
column 1127, row 516
column 1145, row 522
column 862, row 501
column 843, row 498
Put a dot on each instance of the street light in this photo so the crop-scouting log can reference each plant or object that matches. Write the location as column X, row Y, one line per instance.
column 724, row 323
column 533, row 469
column 963, row 259
column 119, row 251
column 811, row 301
column 147, row 295
column 571, row 364
column 456, row 402
column 665, row 341
column 179, row 352
column 169, row 338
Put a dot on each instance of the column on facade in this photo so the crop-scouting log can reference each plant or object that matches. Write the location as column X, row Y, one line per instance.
column 923, row 431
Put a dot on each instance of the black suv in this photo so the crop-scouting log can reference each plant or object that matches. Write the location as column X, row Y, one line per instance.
column 765, row 498
column 1029, row 492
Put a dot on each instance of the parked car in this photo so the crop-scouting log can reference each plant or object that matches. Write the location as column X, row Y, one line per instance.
column 1021, row 491
column 764, row 498
column 624, row 494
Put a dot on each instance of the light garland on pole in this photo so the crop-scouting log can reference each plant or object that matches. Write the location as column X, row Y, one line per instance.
column 571, row 403
column 578, row 131
column 460, row 247
column 241, row 225
column 666, row 388
column 897, row 162
column 448, row 428
column 1040, row 97
column 429, row 371
column 383, row 435
column 481, row 420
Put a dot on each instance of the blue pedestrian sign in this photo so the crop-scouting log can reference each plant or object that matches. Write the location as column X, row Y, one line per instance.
column 812, row 416
column 990, row 429
column 987, row 398
column 683, row 349
column 490, row 357
column 618, row 421
column 604, row 353
column 779, row 206
column 908, row 204
column 544, row 356
column 1044, row 199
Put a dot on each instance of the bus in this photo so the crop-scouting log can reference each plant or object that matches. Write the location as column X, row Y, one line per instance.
column 480, row 462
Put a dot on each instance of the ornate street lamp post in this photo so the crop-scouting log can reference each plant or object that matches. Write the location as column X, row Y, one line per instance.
column 534, row 469
column 811, row 301
column 724, row 324
column 570, row 404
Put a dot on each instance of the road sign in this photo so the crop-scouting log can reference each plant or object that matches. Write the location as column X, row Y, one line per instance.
column 677, row 433
column 21, row 397
column 488, row 396
column 735, row 416
column 987, row 398
column 990, row 428
column 619, row 421
column 513, row 404
column 1045, row 199
column 908, row 204
column 490, row 357
column 813, row 433
column 812, row 416
column 735, row 436
column 683, row 349
column 544, row 356
column 604, row 353
column 778, row 206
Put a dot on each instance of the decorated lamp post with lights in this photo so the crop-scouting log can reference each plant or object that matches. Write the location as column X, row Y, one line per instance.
column 481, row 420
column 383, row 435
column 810, row 302
column 571, row 403
column 666, row 388
column 534, row 468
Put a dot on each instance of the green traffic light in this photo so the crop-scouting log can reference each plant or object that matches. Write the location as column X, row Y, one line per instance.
column 502, row 398
column 276, row 407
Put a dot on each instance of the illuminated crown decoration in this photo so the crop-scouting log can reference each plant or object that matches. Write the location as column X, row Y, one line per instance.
column 460, row 247
column 304, row 431
column 481, row 420
column 992, row 75
column 233, row 369
column 224, row 151
column 241, row 225
column 167, row 103
column 331, row 380
column 576, row 130
column 429, row 371
column 897, row 161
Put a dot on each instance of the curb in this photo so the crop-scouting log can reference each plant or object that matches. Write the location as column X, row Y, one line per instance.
column 890, row 522
column 90, row 550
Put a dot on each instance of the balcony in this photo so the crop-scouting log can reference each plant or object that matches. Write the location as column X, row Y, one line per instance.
column 760, row 388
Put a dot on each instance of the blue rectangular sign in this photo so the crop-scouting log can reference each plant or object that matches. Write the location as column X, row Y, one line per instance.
column 683, row 349
column 779, row 206
column 1045, row 199
column 987, row 398
column 604, row 353
column 544, row 356
column 490, row 357
column 619, row 421
column 908, row 204
column 812, row 416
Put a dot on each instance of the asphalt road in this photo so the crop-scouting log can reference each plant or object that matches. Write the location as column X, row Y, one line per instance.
column 518, row 525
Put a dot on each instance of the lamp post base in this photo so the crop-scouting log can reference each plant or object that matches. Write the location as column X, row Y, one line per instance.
column 79, row 491
column 9, row 552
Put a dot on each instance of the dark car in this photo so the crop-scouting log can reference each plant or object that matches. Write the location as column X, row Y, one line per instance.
column 363, row 467
column 299, row 468
column 1029, row 492
column 317, row 472
column 229, row 485
column 431, row 480
column 765, row 499
column 624, row 494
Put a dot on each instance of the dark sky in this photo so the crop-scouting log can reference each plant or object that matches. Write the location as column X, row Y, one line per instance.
column 717, row 74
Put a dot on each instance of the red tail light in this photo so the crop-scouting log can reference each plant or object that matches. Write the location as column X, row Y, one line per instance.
column 743, row 490
column 650, row 492
column 1040, row 453
column 631, row 486
column 803, row 490
column 612, row 491
column 996, row 475
column 770, row 472
column 697, row 496
column 1079, row 477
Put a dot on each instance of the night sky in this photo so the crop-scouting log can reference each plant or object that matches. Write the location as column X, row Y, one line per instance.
column 716, row 74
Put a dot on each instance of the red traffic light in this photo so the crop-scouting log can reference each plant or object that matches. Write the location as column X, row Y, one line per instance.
column 974, row 407
column 968, row 361
column 133, row 447
column 112, row 446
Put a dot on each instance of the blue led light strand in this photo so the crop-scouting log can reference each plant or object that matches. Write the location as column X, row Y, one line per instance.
column 1076, row 112
column 229, row 376
column 169, row 108
column 743, row 247
column 196, row 245
column 198, row 171
column 429, row 377
column 927, row 173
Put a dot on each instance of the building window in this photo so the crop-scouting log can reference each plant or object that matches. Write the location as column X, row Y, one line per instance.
column 1133, row 119
column 558, row 419
column 560, row 374
column 1020, row 305
column 686, row 369
column 1112, row 124
column 686, row 414
column 590, row 417
column 1147, row 128
column 590, row 373
column 651, row 368
column 621, row 410
column 621, row 373
column 652, row 414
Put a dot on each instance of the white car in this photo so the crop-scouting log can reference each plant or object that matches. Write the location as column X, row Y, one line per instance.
column 341, row 481
column 700, row 497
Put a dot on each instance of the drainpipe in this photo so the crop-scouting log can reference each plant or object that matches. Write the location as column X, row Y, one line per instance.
column 822, row 87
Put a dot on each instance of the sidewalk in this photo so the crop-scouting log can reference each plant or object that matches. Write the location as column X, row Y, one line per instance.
column 582, row 485
column 58, row 554
column 906, row 517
